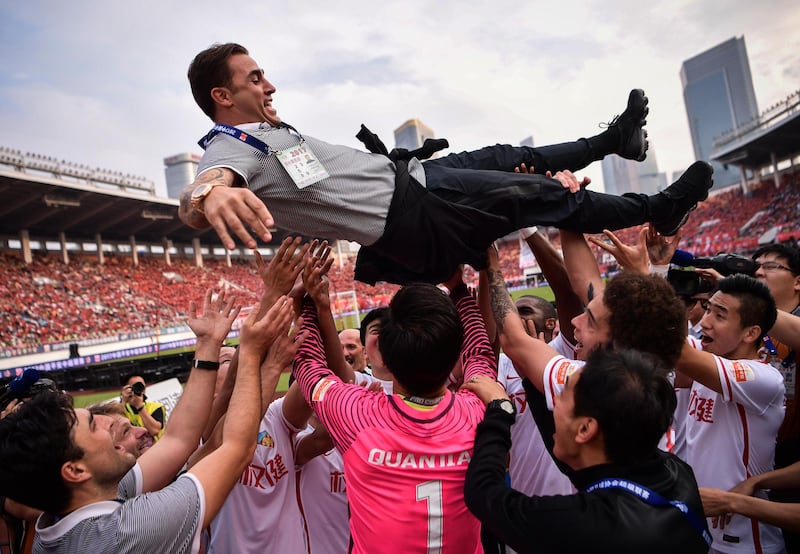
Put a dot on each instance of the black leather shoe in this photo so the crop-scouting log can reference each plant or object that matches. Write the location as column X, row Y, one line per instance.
column 633, row 137
column 690, row 188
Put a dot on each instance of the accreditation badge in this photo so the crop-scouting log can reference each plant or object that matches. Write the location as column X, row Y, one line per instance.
column 302, row 165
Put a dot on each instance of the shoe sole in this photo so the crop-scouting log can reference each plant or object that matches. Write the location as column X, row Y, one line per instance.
column 683, row 221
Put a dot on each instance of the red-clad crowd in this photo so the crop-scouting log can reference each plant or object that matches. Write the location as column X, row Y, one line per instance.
column 48, row 301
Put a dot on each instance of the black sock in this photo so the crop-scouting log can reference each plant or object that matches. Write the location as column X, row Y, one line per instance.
column 605, row 143
column 660, row 207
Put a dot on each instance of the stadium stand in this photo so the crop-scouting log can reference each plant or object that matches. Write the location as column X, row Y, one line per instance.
column 55, row 290
column 48, row 301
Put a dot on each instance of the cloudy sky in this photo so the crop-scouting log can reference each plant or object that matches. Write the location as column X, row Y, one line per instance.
column 104, row 83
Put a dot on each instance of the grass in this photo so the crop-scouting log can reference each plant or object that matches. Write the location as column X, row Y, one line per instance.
column 81, row 400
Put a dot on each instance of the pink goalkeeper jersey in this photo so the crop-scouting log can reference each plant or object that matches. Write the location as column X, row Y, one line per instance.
column 405, row 467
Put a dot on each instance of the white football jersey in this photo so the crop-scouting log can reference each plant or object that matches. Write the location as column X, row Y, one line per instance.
column 531, row 467
column 261, row 512
column 730, row 437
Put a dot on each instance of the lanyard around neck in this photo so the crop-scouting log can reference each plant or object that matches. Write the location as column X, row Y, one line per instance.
column 654, row 499
column 243, row 136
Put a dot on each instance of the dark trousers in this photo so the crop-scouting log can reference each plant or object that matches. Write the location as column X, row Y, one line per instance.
column 485, row 180
column 473, row 198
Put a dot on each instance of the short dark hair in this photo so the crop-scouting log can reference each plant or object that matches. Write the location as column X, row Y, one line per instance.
column 107, row 409
column 539, row 311
column 421, row 338
column 630, row 396
column 374, row 315
column 789, row 253
column 210, row 69
column 547, row 307
column 35, row 442
column 756, row 305
column 135, row 374
column 646, row 315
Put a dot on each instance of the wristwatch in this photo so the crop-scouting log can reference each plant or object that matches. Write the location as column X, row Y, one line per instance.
column 205, row 364
column 504, row 404
column 199, row 195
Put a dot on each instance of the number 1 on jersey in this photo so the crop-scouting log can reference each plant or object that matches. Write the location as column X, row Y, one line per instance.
column 431, row 491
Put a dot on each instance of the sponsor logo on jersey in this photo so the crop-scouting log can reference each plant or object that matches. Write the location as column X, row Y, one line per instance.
column 389, row 458
column 338, row 484
column 563, row 371
column 268, row 475
column 319, row 390
column 264, row 439
column 742, row 372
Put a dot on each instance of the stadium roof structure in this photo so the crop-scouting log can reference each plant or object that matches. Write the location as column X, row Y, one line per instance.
column 46, row 206
column 771, row 137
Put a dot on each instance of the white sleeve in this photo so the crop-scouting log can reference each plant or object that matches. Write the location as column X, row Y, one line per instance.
column 561, row 345
column 555, row 376
column 755, row 385
column 504, row 367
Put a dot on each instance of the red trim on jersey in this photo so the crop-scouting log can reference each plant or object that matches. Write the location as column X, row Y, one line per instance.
column 745, row 460
column 746, row 437
column 756, row 536
column 550, row 384
column 727, row 383
column 302, row 511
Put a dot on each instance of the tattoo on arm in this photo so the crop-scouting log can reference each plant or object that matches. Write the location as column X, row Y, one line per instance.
column 500, row 299
column 189, row 215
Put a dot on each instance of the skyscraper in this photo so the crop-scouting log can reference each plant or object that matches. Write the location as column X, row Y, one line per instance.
column 180, row 170
column 621, row 175
column 412, row 134
column 719, row 96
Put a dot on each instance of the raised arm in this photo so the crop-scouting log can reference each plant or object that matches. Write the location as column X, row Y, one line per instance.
column 275, row 361
column 568, row 303
column 477, row 356
column 581, row 265
column 220, row 405
column 162, row 462
column 529, row 355
column 632, row 258
column 222, row 468
column 485, row 306
column 280, row 274
column 699, row 366
column 317, row 286
column 228, row 208
column 787, row 329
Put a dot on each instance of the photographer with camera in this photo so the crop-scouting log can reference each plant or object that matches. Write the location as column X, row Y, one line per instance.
column 140, row 411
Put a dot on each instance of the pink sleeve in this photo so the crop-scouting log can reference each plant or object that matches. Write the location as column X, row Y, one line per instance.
column 477, row 356
column 338, row 405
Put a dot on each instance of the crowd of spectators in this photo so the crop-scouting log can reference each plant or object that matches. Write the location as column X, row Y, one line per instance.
column 48, row 301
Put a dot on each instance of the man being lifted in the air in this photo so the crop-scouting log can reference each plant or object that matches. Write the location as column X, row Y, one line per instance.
column 417, row 220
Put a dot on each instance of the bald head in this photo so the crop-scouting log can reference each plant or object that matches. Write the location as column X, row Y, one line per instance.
column 352, row 348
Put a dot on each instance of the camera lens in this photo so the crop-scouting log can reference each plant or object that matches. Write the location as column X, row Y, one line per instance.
column 137, row 388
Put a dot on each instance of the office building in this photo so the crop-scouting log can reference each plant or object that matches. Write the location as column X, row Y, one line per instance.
column 412, row 134
column 621, row 175
column 719, row 96
column 180, row 170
